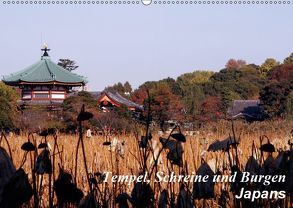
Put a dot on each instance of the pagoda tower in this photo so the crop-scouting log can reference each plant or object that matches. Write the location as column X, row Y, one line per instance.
column 44, row 83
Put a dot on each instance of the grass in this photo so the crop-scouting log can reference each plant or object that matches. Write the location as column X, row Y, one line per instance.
column 101, row 159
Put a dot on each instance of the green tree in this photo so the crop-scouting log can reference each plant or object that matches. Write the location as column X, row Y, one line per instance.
column 127, row 87
column 193, row 78
column 71, row 107
column 8, row 107
column 227, row 96
column 268, row 65
column 244, row 83
column 173, row 85
column 192, row 99
column 191, row 85
column 67, row 64
column 274, row 99
column 123, row 89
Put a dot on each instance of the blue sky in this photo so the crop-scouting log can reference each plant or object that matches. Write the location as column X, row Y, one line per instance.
column 136, row 43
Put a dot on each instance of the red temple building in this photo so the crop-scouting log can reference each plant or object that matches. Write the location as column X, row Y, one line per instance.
column 108, row 100
column 44, row 82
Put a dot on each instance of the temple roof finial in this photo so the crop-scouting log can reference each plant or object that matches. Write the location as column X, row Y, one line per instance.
column 45, row 49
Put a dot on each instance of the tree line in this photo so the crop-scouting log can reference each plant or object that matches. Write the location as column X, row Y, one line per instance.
column 203, row 96
column 195, row 97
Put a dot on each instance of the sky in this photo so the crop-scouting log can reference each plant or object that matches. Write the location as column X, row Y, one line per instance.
column 136, row 43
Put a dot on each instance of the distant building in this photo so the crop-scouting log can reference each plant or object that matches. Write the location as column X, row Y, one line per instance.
column 246, row 109
column 108, row 100
column 44, row 83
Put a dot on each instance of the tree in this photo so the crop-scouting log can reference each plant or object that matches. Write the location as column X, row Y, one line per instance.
column 289, row 59
column 123, row 89
column 235, row 64
column 193, row 78
column 173, row 85
column 243, row 83
column 118, row 87
column 119, row 120
column 127, row 87
column 165, row 105
column 210, row 109
column 192, row 99
column 289, row 105
column 276, row 96
column 274, row 99
column 8, row 107
column 227, row 96
column 67, row 64
column 71, row 107
column 139, row 95
column 282, row 73
column 268, row 65
column 191, row 85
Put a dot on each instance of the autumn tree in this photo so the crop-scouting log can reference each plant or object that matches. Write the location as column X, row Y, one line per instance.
column 165, row 105
column 235, row 64
column 282, row 73
column 139, row 95
column 276, row 96
column 67, row 64
column 210, row 109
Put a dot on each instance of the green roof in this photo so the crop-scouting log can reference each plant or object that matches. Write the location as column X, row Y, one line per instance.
column 45, row 71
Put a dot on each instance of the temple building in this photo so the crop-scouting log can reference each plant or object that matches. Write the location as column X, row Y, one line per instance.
column 107, row 100
column 44, row 82
column 250, row 110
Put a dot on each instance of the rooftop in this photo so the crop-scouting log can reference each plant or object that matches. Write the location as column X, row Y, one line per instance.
column 114, row 96
column 122, row 100
column 45, row 71
column 245, row 108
